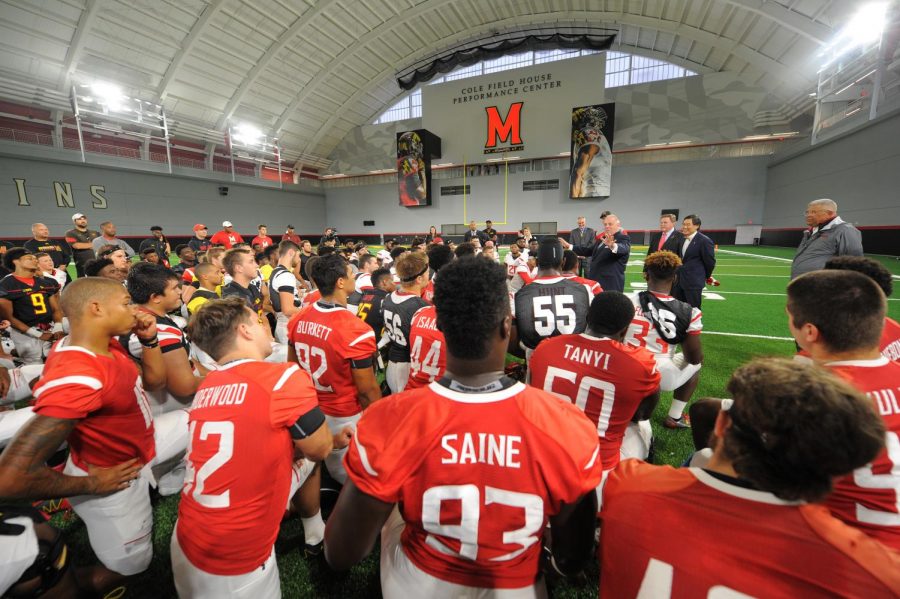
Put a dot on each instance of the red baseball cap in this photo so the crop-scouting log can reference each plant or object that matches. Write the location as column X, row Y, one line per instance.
column 199, row 227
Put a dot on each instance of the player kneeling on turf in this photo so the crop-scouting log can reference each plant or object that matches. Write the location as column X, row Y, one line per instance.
column 661, row 323
column 246, row 423
column 465, row 473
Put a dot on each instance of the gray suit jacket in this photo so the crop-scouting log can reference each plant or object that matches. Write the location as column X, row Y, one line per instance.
column 578, row 237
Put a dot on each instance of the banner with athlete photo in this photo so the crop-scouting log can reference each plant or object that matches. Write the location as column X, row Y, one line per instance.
column 590, row 163
column 415, row 149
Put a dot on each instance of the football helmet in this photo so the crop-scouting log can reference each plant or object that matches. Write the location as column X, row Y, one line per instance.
column 589, row 117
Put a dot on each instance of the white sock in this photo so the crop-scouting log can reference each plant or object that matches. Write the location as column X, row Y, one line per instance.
column 313, row 529
column 677, row 409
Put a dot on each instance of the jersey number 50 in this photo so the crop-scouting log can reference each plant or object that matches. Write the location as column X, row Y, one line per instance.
column 589, row 393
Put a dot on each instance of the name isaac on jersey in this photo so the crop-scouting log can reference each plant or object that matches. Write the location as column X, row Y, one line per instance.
column 482, row 448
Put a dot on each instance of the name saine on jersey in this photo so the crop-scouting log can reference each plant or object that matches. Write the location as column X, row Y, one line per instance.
column 482, row 448
column 233, row 394
column 583, row 355
column 305, row 327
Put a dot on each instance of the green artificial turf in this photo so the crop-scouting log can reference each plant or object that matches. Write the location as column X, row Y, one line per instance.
column 749, row 305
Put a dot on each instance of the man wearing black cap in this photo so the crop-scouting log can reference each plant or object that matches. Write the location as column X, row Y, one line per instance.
column 158, row 243
column 289, row 235
column 79, row 239
column 550, row 305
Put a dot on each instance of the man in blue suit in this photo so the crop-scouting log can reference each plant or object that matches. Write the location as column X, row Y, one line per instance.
column 698, row 257
column 608, row 254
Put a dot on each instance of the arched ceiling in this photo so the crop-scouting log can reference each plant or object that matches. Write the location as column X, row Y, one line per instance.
column 308, row 71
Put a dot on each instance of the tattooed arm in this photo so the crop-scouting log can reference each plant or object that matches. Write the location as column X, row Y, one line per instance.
column 25, row 475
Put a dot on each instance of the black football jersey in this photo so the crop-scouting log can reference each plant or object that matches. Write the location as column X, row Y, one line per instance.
column 281, row 279
column 369, row 308
column 30, row 300
column 550, row 306
column 398, row 309
column 251, row 295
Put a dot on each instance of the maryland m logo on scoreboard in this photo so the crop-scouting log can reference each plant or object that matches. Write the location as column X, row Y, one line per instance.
column 504, row 133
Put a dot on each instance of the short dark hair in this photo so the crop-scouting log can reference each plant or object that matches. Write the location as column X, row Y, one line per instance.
column 272, row 250
column 847, row 308
column 550, row 253
column 93, row 267
column 147, row 251
column 213, row 326
column 180, row 248
column 286, row 245
column 365, row 259
column 871, row 268
column 570, row 261
column 327, row 270
column 14, row 254
column 156, row 228
column 259, row 256
column 439, row 255
column 146, row 280
column 463, row 284
column 662, row 266
column 325, row 250
column 768, row 448
column 694, row 219
column 465, row 249
column 610, row 312
column 232, row 257
column 379, row 274
column 398, row 251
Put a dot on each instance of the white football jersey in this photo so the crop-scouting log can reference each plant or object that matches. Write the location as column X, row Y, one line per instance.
column 642, row 333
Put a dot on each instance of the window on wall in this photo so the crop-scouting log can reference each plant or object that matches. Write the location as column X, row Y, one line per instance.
column 621, row 69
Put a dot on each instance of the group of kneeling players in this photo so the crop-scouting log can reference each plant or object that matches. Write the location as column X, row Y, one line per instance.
column 479, row 479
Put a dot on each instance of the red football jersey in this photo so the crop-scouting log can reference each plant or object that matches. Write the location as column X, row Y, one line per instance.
column 731, row 542
column 326, row 339
column 606, row 379
column 428, row 292
column 869, row 498
column 106, row 396
column 239, row 461
column 593, row 286
column 476, row 475
column 890, row 340
column 427, row 349
column 310, row 298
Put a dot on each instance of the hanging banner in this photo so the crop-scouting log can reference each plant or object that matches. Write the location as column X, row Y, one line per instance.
column 590, row 162
column 415, row 149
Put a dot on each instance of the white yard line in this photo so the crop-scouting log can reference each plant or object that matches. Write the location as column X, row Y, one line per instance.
column 890, row 299
column 705, row 332
column 754, row 255
column 734, row 274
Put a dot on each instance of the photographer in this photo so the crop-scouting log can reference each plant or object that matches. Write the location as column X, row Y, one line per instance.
column 330, row 237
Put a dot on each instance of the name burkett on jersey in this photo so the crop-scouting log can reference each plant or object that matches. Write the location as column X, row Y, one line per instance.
column 304, row 327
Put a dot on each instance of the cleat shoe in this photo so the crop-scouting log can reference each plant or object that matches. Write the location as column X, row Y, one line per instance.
column 313, row 551
column 682, row 422
column 713, row 282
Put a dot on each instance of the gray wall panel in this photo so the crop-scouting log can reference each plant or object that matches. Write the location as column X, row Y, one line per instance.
column 138, row 200
column 861, row 172
column 723, row 192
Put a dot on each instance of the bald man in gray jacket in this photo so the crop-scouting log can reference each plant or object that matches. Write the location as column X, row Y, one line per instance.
column 828, row 235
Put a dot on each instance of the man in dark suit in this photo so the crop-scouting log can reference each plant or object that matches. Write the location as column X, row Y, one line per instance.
column 608, row 255
column 582, row 235
column 698, row 257
column 668, row 237
column 474, row 233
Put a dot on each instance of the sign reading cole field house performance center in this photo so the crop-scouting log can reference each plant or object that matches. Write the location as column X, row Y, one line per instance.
column 520, row 113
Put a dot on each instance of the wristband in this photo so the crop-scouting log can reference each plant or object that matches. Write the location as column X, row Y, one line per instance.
column 149, row 343
column 57, row 327
column 34, row 332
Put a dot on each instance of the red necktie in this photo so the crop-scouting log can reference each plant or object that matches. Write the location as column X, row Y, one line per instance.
column 662, row 240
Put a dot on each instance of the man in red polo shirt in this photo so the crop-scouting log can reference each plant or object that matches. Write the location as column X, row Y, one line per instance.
column 227, row 237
